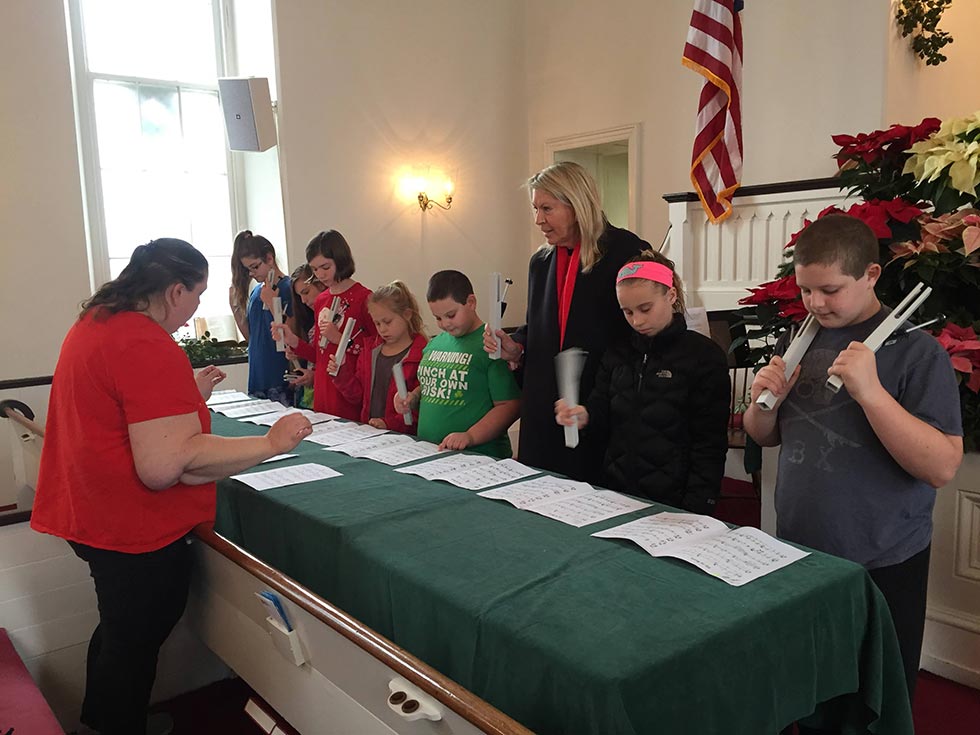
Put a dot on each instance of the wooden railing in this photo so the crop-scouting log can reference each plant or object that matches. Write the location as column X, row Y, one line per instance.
column 461, row 701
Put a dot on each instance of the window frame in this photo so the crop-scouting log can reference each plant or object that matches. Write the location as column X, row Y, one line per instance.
column 83, row 83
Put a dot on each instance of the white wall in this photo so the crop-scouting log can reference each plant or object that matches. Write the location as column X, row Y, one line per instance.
column 810, row 70
column 43, row 246
column 915, row 91
column 370, row 87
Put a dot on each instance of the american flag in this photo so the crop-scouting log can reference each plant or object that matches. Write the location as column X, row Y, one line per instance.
column 714, row 50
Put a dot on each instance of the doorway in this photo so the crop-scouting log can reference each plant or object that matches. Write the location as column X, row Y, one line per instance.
column 610, row 156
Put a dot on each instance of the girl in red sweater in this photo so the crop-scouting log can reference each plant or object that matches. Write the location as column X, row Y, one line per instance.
column 395, row 314
column 332, row 263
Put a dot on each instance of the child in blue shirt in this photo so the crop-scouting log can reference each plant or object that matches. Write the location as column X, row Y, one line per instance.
column 254, row 257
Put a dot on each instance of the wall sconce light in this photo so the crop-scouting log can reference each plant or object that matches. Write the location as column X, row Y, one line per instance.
column 426, row 203
column 421, row 189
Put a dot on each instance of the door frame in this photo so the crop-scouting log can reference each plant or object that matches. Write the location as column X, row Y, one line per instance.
column 630, row 133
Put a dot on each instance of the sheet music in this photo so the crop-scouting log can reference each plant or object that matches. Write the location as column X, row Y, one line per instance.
column 488, row 475
column 739, row 556
column 402, row 453
column 283, row 476
column 655, row 532
column 538, row 491
column 359, row 447
column 736, row 557
column 248, row 409
column 268, row 419
column 438, row 468
column 582, row 510
column 318, row 417
column 222, row 407
column 335, row 433
column 227, row 396
column 278, row 458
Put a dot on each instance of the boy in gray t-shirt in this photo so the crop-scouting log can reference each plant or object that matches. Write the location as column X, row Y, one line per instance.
column 858, row 469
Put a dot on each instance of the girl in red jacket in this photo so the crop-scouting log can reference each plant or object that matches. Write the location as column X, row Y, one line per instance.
column 400, row 340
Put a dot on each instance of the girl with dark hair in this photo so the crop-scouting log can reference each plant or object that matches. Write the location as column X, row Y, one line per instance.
column 332, row 263
column 305, row 291
column 254, row 257
column 129, row 465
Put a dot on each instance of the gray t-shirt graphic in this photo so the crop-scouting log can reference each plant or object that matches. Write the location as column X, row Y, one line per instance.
column 838, row 490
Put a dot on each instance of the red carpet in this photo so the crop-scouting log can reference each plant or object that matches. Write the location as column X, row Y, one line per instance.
column 943, row 707
column 738, row 504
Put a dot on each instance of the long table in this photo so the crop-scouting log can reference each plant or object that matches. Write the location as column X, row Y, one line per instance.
column 566, row 633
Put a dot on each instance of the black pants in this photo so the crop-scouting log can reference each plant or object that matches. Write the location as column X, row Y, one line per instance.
column 141, row 598
column 904, row 588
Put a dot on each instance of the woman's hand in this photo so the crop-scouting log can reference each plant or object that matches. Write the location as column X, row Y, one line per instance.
column 304, row 378
column 332, row 368
column 289, row 431
column 571, row 415
column 281, row 330
column 207, row 378
column 378, row 423
column 510, row 350
column 456, row 441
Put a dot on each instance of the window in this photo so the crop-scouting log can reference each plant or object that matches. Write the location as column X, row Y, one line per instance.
column 153, row 140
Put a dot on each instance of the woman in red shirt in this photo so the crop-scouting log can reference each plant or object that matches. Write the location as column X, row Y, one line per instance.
column 129, row 467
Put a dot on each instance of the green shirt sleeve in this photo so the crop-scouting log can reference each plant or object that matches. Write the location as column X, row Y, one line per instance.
column 500, row 379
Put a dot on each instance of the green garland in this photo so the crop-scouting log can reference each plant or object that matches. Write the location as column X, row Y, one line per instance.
column 203, row 350
column 920, row 19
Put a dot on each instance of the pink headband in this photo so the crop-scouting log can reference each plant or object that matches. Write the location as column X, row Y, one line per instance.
column 647, row 270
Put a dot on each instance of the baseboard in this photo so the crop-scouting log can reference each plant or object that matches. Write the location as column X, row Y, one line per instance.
column 954, row 618
column 951, row 670
column 951, row 646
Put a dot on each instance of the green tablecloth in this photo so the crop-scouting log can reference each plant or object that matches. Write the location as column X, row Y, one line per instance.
column 571, row 634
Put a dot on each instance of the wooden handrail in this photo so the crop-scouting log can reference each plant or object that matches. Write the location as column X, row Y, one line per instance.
column 18, row 417
column 460, row 700
column 781, row 187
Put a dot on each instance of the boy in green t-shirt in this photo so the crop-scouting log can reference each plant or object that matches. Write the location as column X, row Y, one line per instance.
column 465, row 400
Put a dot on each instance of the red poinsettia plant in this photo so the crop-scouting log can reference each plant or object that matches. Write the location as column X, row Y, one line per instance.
column 918, row 187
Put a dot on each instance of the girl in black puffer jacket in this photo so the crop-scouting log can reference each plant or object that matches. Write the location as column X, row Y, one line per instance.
column 661, row 400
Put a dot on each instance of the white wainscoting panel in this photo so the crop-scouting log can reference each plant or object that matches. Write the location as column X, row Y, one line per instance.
column 718, row 263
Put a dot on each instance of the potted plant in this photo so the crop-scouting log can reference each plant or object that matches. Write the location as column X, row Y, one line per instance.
column 918, row 188
column 206, row 349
